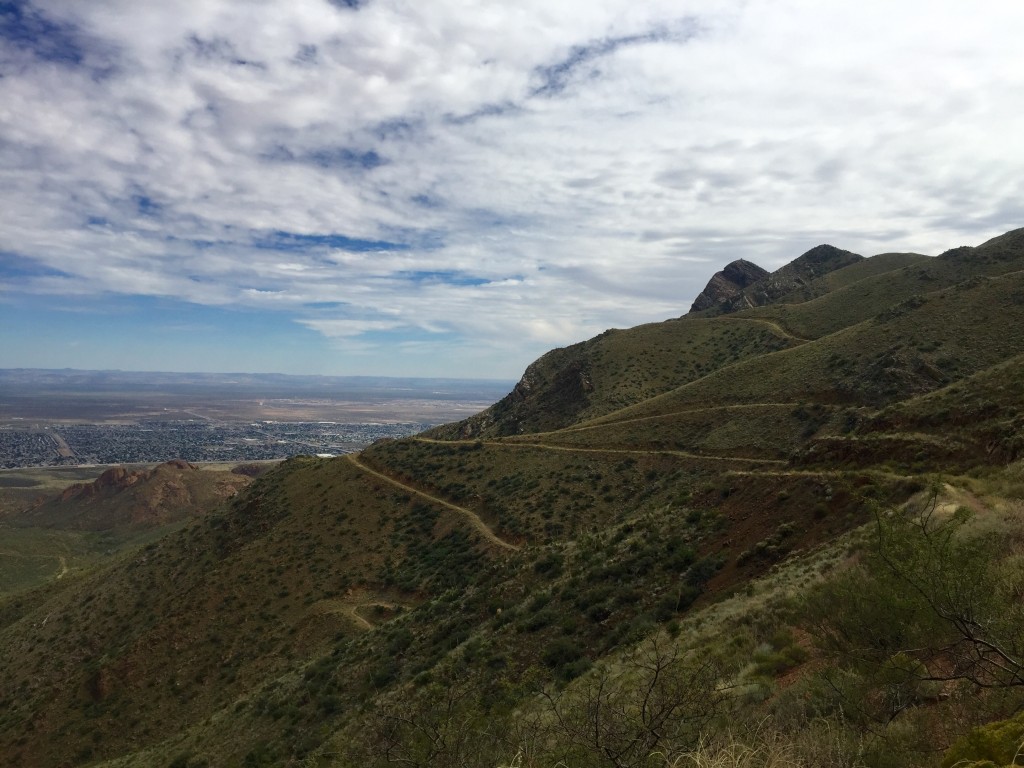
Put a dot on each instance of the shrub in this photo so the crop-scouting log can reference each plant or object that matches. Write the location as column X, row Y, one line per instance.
column 996, row 744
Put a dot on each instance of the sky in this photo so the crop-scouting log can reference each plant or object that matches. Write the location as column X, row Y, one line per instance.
column 451, row 188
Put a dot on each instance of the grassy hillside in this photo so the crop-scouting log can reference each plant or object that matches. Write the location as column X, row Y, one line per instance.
column 850, row 274
column 53, row 527
column 617, row 369
column 914, row 347
column 709, row 541
column 852, row 302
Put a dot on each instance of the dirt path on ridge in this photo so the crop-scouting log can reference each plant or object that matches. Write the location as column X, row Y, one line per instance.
column 359, row 619
column 626, row 451
column 472, row 516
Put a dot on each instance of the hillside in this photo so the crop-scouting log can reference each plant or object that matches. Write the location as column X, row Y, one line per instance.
column 134, row 498
column 53, row 528
column 745, row 536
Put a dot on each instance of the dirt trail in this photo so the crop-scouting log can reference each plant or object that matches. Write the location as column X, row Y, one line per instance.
column 351, row 609
column 624, row 451
column 636, row 419
column 820, row 473
column 473, row 517
column 953, row 498
column 359, row 619
column 63, row 567
column 775, row 326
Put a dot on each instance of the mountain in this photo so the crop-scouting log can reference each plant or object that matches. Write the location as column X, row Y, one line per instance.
column 134, row 498
column 790, row 532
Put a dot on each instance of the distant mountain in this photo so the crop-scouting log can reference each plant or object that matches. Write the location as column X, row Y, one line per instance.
column 135, row 498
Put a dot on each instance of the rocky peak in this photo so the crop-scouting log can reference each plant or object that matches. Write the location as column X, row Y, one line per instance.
column 728, row 283
column 112, row 480
column 742, row 285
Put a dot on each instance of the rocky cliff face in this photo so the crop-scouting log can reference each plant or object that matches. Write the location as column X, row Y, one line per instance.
column 725, row 293
column 728, row 283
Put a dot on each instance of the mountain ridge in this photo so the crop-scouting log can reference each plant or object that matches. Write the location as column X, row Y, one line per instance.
column 646, row 499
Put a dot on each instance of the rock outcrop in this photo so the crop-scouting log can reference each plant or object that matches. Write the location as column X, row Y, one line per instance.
column 728, row 283
column 733, row 290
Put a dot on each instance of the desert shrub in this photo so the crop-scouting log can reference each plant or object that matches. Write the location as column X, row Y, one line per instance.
column 560, row 652
column 996, row 744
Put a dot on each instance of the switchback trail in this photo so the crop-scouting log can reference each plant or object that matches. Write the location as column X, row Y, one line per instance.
column 627, row 451
column 473, row 517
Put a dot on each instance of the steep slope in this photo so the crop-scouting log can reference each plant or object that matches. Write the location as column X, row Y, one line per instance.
column 616, row 369
column 134, row 498
column 619, row 369
column 858, row 301
column 211, row 611
column 915, row 347
column 872, row 266
column 975, row 422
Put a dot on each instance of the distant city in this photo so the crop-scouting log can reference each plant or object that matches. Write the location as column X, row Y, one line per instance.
column 69, row 418
column 154, row 441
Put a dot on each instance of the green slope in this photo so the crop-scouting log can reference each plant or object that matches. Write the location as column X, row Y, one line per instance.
column 619, row 368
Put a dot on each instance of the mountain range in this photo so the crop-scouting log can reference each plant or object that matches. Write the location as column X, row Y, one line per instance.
column 784, row 528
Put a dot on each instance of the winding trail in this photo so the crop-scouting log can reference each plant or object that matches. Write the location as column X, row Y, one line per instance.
column 625, row 451
column 359, row 619
column 472, row 516
column 776, row 327
column 63, row 566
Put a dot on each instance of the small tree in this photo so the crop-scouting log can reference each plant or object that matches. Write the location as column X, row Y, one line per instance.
column 930, row 603
column 655, row 701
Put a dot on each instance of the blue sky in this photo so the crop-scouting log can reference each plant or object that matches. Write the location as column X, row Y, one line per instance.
column 452, row 188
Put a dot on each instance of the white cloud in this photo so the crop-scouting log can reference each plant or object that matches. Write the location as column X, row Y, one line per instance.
column 541, row 170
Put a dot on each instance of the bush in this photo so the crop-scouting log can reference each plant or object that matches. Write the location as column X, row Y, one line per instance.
column 995, row 744
column 560, row 652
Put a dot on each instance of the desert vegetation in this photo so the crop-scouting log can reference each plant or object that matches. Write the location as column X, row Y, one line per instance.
column 791, row 535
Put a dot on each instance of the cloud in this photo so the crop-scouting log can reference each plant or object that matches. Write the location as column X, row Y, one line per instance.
column 504, row 177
